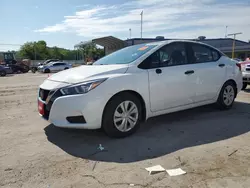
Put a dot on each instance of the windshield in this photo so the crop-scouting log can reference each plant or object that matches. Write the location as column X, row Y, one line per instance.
column 125, row 55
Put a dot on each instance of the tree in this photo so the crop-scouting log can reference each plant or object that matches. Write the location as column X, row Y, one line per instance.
column 39, row 51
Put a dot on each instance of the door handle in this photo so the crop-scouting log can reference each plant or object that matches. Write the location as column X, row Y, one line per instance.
column 221, row 65
column 189, row 72
column 158, row 71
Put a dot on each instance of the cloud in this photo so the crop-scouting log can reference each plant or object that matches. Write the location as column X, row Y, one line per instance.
column 172, row 19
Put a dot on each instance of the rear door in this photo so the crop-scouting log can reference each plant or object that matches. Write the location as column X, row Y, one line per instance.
column 171, row 78
column 209, row 70
column 61, row 66
column 56, row 67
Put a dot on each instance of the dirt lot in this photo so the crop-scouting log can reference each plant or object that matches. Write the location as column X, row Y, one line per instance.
column 212, row 146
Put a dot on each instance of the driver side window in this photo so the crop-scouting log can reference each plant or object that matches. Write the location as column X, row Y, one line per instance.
column 170, row 55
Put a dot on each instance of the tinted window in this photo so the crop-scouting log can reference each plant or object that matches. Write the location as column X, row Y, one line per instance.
column 173, row 54
column 125, row 55
column 215, row 55
column 170, row 55
column 201, row 54
column 59, row 64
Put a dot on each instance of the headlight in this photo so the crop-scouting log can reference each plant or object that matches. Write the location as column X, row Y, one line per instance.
column 82, row 87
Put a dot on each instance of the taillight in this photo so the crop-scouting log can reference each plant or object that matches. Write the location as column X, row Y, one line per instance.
column 238, row 65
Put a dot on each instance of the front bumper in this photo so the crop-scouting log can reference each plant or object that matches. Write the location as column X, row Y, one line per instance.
column 60, row 110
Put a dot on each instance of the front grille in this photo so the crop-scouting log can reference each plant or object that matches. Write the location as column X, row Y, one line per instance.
column 247, row 69
column 48, row 97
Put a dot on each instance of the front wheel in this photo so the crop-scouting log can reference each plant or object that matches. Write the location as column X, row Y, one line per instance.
column 3, row 73
column 244, row 86
column 227, row 96
column 122, row 115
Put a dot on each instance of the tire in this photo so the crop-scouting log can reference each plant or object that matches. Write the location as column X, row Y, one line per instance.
column 227, row 95
column 244, row 86
column 25, row 69
column 3, row 73
column 66, row 68
column 114, row 106
column 33, row 69
column 46, row 71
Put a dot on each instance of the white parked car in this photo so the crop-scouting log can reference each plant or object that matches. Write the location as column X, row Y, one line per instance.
column 133, row 84
column 245, row 68
column 54, row 66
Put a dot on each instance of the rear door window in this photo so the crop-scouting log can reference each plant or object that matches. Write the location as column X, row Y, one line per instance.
column 201, row 54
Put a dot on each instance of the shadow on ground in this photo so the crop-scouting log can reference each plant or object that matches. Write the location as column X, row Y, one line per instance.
column 247, row 90
column 159, row 136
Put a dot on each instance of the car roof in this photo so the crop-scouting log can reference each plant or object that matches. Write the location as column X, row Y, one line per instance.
column 162, row 43
column 54, row 62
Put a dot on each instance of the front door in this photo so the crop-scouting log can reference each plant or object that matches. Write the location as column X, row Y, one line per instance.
column 171, row 78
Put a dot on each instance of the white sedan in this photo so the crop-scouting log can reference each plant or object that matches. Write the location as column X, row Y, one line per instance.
column 129, row 86
column 54, row 66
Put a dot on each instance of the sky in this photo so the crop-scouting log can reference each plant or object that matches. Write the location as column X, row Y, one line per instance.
column 64, row 23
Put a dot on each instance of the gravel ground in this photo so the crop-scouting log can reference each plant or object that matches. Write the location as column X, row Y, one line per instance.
column 212, row 146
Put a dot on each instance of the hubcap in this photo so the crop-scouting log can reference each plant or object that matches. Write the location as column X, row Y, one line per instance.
column 126, row 116
column 228, row 95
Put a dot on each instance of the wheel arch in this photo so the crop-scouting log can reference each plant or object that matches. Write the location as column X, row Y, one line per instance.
column 234, row 83
column 143, row 104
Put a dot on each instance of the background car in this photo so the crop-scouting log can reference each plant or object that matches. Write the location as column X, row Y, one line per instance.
column 19, row 68
column 135, row 83
column 245, row 68
column 54, row 67
column 35, row 67
column 5, row 70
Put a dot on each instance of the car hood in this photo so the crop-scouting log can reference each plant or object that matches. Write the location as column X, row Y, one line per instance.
column 87, row 72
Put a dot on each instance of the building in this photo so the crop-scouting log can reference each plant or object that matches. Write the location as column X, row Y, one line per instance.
column 111, row 44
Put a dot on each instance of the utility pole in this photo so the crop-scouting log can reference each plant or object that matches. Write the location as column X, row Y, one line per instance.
column 226, row 32
column 233, row 34
column 129, row 33
column 35, row 51
column 141, row 22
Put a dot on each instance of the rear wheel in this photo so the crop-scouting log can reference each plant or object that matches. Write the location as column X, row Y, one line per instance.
column 3, row 73
column 122, row 115
column 244, row 86
column 227, row 96
column 66, row 68
column 46, row 71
